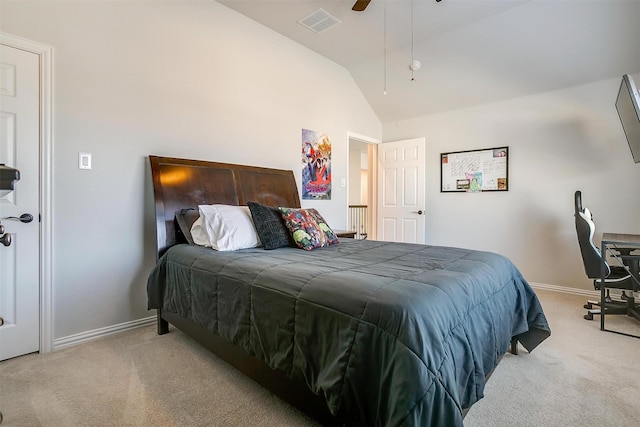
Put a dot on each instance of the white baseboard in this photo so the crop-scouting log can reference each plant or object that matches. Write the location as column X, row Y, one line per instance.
column 593, row 295
column 566, row 290
column 87, row 336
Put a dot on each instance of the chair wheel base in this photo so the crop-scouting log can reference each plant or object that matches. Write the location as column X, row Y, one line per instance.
column 588, row 306
column 588, row 316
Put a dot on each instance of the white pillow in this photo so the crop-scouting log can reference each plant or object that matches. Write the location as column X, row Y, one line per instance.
column 199, row 234
column 225, row 228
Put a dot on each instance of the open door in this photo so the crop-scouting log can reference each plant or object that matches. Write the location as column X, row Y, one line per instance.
column 401, row 191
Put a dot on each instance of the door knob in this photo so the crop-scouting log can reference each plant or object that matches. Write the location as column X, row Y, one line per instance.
column 1, row 321
column 6, row 239
column 25, row 218
column 420, row 212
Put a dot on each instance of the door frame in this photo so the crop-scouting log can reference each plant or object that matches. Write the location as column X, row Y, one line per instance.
column 45, row 55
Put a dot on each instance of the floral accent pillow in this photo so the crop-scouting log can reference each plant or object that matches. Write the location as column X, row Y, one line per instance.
column 308, row 228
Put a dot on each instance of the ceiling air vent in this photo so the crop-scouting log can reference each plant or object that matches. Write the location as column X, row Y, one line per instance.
column 319, row 21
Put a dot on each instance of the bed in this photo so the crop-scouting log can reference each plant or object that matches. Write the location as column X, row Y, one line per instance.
column 358, row 333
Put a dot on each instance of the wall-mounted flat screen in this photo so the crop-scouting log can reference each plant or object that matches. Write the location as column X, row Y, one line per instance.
column 628, row 106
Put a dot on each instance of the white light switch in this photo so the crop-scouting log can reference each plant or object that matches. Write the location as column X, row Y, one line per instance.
column 84, row 160
column 343, row 182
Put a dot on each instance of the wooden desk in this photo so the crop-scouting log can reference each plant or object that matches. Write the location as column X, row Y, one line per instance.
column 625, row 244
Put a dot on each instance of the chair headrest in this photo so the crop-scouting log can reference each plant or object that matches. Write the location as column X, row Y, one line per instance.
column 577, row 198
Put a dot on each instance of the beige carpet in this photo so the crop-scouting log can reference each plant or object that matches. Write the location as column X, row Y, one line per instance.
column 579, row 377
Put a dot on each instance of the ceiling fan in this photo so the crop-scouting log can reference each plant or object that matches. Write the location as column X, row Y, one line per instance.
column 361, row 5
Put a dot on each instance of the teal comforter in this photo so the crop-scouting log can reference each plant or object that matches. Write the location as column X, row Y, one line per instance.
column 390, row 334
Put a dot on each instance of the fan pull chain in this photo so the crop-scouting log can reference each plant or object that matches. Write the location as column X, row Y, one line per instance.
column 384, row 26
column 412, row 56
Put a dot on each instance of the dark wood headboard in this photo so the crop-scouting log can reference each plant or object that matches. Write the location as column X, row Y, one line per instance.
column 182, row 183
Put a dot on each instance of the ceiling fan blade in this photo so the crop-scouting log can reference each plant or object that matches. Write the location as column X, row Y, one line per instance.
column 360, row 5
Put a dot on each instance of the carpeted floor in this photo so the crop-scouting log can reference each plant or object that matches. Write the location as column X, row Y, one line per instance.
column 580, row 376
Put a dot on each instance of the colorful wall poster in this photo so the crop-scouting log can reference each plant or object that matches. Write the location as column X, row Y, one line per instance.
column 316, row 165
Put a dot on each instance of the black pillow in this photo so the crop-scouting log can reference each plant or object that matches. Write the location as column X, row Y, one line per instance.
column 270, row 226
column 185, row 219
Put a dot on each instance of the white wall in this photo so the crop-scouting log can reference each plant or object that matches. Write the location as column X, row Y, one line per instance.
column 354, row 176
column 558, row 142
column 357, row 172
column 188, row 79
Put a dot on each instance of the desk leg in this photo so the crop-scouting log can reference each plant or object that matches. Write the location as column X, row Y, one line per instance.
column 603, row 254
column 634, row 269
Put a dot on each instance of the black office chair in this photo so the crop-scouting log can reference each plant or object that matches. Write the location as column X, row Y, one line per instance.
column 615, row 277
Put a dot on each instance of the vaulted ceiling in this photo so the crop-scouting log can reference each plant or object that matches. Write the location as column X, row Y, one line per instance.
column 471, row 51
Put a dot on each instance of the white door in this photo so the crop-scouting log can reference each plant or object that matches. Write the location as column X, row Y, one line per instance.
column 401, row 184
column 19, row 148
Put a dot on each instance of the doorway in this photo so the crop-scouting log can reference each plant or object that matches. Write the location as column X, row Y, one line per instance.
column 362, row 191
